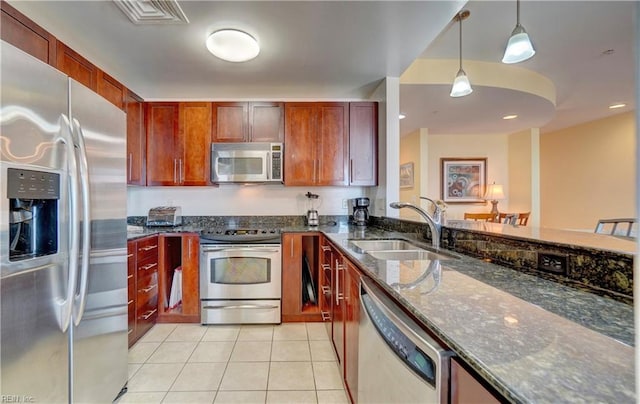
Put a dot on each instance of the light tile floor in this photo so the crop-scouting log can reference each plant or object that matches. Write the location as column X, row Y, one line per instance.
column 191, row 363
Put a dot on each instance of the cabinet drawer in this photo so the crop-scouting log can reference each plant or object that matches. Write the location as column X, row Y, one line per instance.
column 147, row 248
column 146, row 319
column 146, row 267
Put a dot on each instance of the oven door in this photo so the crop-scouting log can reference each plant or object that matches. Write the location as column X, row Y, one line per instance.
column 240, row 272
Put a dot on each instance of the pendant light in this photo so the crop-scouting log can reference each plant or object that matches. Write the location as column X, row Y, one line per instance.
column 519, row 47
column 461, row 85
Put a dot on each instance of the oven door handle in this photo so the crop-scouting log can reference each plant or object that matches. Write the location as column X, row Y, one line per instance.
column 242, row 306
column 248, row 249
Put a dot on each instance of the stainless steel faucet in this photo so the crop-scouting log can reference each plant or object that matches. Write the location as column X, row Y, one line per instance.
column 435, row 222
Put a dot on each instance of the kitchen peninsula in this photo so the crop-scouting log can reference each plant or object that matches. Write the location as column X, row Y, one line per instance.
column 531, row 339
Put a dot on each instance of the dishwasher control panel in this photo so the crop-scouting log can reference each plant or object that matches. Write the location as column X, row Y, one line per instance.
column 402, row 346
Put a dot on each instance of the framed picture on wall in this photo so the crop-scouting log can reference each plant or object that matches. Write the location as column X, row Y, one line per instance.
column 463, row 180
column 406, row 175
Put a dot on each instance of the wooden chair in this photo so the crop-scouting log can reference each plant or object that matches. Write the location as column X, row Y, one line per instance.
column 520, row 219
column 487, row 217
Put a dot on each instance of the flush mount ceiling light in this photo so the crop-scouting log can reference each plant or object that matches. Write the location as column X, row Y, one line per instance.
column 233, row 45
column 617, row 105
column 402, row 116
column 519, row 47
column 461, row 85
column 508, row 117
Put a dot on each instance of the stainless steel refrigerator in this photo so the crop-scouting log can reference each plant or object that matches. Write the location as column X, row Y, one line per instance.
column 63, row 277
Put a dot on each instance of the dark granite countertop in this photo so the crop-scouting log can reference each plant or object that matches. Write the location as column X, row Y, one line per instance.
column 532, row 339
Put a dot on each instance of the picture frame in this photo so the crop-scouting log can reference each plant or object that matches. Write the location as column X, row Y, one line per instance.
column 463, row 180
column 406, row 175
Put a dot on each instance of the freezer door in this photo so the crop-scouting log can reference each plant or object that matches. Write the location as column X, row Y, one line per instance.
column 34, row 349
column 100, row 336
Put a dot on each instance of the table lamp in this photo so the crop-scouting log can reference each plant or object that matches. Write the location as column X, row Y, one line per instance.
column 494, row 192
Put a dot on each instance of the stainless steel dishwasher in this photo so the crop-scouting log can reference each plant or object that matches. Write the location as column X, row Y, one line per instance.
column 397, row 361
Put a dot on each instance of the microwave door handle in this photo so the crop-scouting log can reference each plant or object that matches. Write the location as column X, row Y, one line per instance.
column 66, row 138
column 81, row 297
column 268, row 164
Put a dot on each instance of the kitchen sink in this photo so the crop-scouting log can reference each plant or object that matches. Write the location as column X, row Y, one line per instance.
column 380, row 245
column 416, row 254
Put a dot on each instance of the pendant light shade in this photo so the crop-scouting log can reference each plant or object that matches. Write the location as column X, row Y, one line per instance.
column 461, row 85
column 519, row 47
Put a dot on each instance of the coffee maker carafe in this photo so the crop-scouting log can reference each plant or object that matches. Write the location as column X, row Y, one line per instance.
column 312, row 214
column 360, row 211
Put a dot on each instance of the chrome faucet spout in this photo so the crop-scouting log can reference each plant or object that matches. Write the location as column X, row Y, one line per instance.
column 434, row 222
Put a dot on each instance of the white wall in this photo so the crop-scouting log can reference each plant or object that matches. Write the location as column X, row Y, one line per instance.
column 240, row 200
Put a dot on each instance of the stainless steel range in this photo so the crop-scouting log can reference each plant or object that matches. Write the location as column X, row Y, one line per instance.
column 240, row 276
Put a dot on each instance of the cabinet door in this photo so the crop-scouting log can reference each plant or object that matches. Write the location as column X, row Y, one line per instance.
column 363, row 143
column 75, row 66
column 136, row 140
column 351, row 325
column 338, row 307
column 291, row 275
column 190, row 275
column 24, row 34
column 266, row 122
column 230, row 122
column 300, row 163
column 162, row 143
column 195, row 138
column 332, row 139
column 111, row 89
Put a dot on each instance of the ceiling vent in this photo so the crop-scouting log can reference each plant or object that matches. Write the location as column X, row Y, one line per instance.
column 153, row 11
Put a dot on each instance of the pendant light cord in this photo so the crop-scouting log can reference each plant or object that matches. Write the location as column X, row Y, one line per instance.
column 517, row 12
column 460, row 53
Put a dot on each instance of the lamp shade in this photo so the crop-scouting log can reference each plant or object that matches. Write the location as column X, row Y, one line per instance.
column 233, row 45
column 519, row 47
column 494, row 192
column 461, row 85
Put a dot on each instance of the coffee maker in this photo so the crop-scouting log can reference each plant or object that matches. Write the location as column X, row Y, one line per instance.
column 360, row 211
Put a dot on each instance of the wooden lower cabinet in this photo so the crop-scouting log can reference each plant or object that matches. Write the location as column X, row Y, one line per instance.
column 142, row 263
column 351, row 326
column 295, row 248
column 179, row 268
column 466, row 388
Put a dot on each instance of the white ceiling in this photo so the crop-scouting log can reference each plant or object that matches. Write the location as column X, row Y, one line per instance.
column 343, row 49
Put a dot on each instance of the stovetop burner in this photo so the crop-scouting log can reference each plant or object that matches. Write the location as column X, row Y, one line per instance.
column 227, row 235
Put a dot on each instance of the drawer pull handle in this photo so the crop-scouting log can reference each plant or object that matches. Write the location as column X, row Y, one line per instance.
column 325, row 248
column 130, row 331
column 148, row 314
column 129, row 277
column 326, row 290
column 147, row 248
column 326, row 267
column 325, row 316
column 146, row 290
column 148, row 266
column 129, row 255
column 130, row 302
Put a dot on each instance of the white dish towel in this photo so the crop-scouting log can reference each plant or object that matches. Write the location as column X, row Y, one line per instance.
column 175, row 298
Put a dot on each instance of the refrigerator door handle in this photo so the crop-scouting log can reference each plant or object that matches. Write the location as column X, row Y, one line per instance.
column 80, row 299
column 65, row 136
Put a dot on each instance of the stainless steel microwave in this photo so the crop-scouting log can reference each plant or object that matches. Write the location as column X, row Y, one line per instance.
column 246, row 162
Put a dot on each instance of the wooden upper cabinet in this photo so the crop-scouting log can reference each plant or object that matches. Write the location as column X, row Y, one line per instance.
column 266, row 122
column 248, row 122
column 136, row 140
column 178, row 143
column 161, row 119
column 21, row 32
column 363, row 143
column 111, row 89
column 230, row 122
column 333, row 143
column 300, row 144
column 316, row 143
column 195, row 138
column 75, row 66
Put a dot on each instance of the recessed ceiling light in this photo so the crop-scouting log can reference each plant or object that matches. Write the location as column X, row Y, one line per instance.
column 402, row 116
column 617, row 105
column 233, row 45
column 507, row 117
